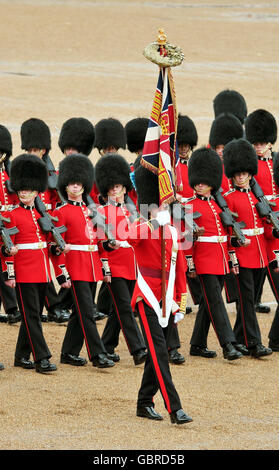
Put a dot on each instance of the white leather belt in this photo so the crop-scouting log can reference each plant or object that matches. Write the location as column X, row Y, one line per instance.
column 32, row 246
column 6, row 207
column 213, row 239
column 84, row 247
column 253, row 231
column 124, row 244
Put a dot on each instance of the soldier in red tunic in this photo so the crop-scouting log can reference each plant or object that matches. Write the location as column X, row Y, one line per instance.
column 261, row 132
column 273, row 259
column 145, row 237
column 210, row 255
column 187, row 139
column 113, row 181
column 76, row 176
column 8, row 199
column 77, row 135
column 36, row 139
column 28, row 270
column 241, row 163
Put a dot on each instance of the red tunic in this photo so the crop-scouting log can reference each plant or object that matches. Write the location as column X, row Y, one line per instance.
column 272, row 245
column 242, row 202
column 30, row 265
column 81, row 265
column 187, row 190
column 210, row 257
column 6, row 199
column 122, row 261
column 265, row 178
column 147, row 244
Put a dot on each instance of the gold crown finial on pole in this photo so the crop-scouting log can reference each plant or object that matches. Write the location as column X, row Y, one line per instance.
column 162, row 53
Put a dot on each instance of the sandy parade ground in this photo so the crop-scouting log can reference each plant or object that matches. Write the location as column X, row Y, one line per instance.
column 66, row 58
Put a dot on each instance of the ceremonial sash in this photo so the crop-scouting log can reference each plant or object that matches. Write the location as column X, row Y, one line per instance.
column 171, row 305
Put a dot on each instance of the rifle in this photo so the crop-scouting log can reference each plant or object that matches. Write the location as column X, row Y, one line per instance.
column 52, row 175
column 47, row 225
column 179, row 212
column 264, row 206
column 6, row 232
column 227, row 217
column 98, row 219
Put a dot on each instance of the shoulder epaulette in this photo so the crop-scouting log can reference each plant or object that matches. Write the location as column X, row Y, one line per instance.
column 60, row 204
column 229, row 192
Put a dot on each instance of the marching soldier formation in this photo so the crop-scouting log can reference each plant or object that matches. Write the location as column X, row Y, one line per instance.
column 87, row 225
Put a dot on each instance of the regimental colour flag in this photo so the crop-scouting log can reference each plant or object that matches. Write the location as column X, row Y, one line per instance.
column 160, row 152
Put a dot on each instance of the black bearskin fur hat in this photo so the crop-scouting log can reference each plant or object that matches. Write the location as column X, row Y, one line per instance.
column 77, row 133
column 205, row 166
column 109, row 133
column 186, row 131
column 147, row 188
column 261, row 127
column 225, row 128
column 240, row 156
column 75, row 168
column 35, row 133
column 135, row 133
column 28, row 172
column 230, row 101
column 112, row 169
column 6, row 145
column 276, row 168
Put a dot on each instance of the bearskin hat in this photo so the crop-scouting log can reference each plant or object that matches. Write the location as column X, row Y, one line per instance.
column 186, row 131
column 230, row 101
column 276, row 168
column 75, row 168
column 112, row 169
column 205, row 166
column 28, row 172
column 135, row 133
column 225, row 128
column 260, row 127
column 110, row 133
column 77, row 133
column 240, row 156
column 147, row 188
column 35, row 134
column 6, row 145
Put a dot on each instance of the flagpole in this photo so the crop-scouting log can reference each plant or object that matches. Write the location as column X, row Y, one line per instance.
column 165, row 55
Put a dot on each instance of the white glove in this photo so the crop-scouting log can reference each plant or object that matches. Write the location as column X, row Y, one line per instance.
column 163, row 217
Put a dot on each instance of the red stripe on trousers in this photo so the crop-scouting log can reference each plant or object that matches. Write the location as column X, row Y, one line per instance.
column 209, row 311
column 25, row 321
column 117, row 311
column 153, row 355
column 242, row 312
column 82, row 326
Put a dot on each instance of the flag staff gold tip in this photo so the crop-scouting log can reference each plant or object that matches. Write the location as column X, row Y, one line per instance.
column 162, row 53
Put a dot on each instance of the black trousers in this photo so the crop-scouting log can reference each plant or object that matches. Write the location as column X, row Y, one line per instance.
column 246, row 328
column 8, row 296
column 31, row 297
column 273, row 278
column 212, row 310
column 122, row 317
column 156, row 374
column 104, row 301
column 81, row 326
column 194, row 288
